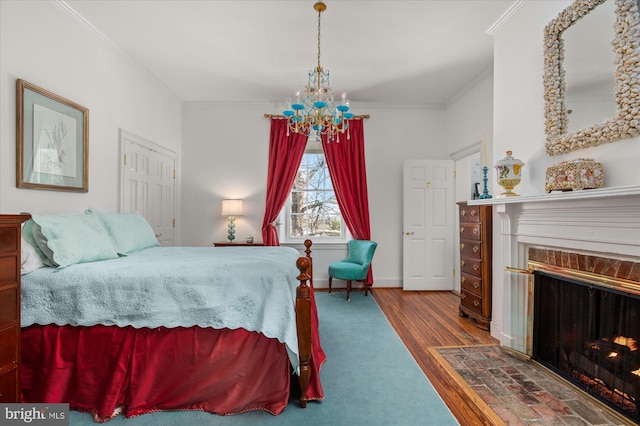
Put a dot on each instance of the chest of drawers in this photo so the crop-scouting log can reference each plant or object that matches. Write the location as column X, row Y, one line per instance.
column 475, row 263
column 10, row 233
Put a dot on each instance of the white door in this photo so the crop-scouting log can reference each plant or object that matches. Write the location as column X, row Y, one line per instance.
column 428, row 218
column 148, row 184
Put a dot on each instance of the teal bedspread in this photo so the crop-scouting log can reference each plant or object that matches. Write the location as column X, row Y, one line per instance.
column 243, row 287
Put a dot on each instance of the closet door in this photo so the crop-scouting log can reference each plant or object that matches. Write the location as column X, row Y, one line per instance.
column 148, row 175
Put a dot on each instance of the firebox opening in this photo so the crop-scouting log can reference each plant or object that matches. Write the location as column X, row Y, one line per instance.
column 590, row 335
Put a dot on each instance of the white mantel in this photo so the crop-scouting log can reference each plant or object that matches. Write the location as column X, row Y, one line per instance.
column 600, row 221
column 622, row 191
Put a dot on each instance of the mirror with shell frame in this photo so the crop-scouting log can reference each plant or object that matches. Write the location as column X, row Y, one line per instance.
column 623, row 119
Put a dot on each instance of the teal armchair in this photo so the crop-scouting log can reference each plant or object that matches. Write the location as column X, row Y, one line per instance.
column 356, row 266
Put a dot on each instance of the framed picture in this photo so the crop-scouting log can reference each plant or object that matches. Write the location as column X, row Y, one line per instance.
column 52, row 141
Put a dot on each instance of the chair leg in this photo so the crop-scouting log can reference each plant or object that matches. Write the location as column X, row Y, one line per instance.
column 348, row 290
column 330, row 279
column 367, row 288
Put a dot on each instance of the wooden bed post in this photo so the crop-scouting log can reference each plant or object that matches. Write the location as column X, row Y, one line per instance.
column 307, row 251
column 303, row 322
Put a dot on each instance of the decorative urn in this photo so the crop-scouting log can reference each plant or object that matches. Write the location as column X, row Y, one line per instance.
column 508, row 170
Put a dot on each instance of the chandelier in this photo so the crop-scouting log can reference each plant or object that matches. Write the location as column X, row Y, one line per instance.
column 314, row 110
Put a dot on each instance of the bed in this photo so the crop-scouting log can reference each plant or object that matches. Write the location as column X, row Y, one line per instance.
column 149, row 328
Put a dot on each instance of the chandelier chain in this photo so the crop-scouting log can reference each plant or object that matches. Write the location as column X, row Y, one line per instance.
column 319, row 13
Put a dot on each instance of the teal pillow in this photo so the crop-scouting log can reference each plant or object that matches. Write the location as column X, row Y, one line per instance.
column 130, row 232
column 70, row 239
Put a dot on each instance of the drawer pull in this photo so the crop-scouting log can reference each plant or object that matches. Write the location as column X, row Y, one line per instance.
column 463, row 280
column 462, row 263
column 476, row 303
column 475, row 249
column 462, row 229
column 476, row 285
column 462, row 296
column 473, row 212
column 463, row 212
column 462, row 246
column 476, row 267
column 475, row 230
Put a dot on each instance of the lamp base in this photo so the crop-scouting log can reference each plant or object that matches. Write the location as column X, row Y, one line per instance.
column 231, row 231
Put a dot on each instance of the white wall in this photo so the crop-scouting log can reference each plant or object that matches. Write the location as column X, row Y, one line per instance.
column 519, row 121
column 225, row 150
column 42, row 44
column 470, row 116
column 467, row 119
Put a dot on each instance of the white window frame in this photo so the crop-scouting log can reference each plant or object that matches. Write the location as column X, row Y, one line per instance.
column 314, row 146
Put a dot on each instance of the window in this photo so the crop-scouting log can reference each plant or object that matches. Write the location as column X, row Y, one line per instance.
column 312, row 209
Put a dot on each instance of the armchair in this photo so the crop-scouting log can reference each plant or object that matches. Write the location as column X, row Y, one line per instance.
column 355, row 266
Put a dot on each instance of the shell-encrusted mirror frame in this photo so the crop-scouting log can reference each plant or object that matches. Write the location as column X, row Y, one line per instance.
column 627, row 91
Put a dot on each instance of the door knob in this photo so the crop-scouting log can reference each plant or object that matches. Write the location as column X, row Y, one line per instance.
column 408, row 233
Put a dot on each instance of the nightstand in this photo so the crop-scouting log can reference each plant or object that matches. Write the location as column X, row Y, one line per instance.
column 228, row 244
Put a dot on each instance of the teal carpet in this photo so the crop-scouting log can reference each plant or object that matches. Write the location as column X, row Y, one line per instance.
column 369, row 378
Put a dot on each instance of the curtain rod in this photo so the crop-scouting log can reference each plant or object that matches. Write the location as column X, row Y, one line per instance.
column 365, row 116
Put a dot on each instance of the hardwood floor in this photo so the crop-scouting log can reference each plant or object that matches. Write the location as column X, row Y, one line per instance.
column 424, row 320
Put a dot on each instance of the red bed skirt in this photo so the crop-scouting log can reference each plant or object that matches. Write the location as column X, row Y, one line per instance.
column 99, row 369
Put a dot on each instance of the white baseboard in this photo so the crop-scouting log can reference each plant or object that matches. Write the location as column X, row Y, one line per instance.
column 380, row 283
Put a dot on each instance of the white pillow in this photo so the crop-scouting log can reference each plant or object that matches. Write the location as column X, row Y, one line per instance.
column 30, row 258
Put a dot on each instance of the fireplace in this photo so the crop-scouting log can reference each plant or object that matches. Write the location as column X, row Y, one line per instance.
column 595, row 233
column 586, row 328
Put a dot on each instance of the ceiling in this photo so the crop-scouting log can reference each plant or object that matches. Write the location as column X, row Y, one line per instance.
column 394, row 53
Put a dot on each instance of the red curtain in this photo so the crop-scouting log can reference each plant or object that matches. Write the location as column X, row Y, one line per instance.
column 285, row 153
column 347, row 167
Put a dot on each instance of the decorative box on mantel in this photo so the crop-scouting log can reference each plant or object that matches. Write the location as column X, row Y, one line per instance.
column 582, row 173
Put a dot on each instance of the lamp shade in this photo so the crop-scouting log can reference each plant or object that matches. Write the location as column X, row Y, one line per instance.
column 232, row 208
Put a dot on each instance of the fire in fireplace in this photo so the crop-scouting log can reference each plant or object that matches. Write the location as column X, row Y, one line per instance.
column 590, row 335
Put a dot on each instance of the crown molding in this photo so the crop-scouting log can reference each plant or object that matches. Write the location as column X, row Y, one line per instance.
column 85, row 23
column 511, row 10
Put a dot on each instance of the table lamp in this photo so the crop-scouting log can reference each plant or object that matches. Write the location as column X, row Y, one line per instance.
column 231, row 209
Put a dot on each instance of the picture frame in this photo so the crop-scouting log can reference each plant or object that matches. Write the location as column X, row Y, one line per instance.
column 52, row 141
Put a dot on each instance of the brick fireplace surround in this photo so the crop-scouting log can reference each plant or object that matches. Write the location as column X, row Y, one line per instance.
column 614, row 268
